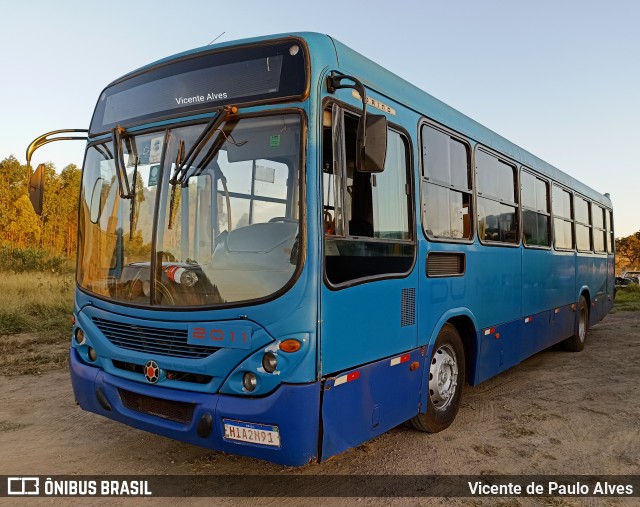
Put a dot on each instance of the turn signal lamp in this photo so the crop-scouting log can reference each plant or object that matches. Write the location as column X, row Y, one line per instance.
column 290, row 345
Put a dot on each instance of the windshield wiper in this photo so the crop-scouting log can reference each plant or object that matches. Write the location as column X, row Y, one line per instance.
column 127, row 191
column 133, row 217
column 174, row 184
column 180, row 174
column 183, row 164
column 222, row 137
column 120, row 167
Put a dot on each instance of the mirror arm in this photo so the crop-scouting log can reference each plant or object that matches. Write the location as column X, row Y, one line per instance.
column 40, row 141
column 334, row 82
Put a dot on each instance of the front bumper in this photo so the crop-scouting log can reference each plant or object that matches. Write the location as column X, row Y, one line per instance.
column 293, row 408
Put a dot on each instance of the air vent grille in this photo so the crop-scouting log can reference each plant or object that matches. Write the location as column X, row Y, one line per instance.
column 156, row 341
column 408, row 307
column 445, row 264
column 176, row 411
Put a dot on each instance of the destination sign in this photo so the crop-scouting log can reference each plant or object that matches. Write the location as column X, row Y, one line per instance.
column 202, row 82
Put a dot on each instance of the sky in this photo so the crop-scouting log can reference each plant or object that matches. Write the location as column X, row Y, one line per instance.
column 561, row 78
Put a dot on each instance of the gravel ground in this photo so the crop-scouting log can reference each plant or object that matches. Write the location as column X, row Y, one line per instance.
column 555, row 413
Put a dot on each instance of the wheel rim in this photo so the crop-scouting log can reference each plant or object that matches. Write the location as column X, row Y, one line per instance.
column 443, row 377
column 582, row 325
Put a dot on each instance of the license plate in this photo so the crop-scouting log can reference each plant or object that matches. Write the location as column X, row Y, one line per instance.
column 253, row 433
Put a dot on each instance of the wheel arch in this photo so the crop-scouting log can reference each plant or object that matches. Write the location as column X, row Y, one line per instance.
column 584, row 291
column 465, row 323
column 575, row 342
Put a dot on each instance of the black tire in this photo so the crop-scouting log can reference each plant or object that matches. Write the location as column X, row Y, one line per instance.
column 444, row 382
column 576, row 342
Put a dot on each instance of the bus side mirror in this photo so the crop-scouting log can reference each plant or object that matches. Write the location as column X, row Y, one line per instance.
column 36, row 189
column 36, row 180
column 372, row 144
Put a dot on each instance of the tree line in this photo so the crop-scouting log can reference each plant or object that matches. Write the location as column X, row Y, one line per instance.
column 628, row 252
column 56, row 230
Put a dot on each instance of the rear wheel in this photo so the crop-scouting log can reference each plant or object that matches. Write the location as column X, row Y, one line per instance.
column 576, row 342
column 444, row 382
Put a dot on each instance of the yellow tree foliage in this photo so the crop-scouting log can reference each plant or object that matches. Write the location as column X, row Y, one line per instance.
column 628, row 252
column 57, row 229
column 24, row 229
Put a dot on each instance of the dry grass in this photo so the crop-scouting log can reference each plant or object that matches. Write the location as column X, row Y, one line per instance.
column 35, row 321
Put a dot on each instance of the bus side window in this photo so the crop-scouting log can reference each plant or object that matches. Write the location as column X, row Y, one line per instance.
column 366, row 216
column 497, row 199
column 536, row 213
column 341, row 183
column 446, row 185
column 561, row 201
column 328, row 177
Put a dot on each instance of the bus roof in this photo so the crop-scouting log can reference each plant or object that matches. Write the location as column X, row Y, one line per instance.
column 332, row 52
column 396, row 88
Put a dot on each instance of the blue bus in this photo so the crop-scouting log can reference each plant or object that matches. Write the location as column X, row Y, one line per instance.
column 286, row 250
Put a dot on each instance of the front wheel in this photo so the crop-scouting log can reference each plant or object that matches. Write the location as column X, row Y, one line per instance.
column 444, row 383
column 576, row 342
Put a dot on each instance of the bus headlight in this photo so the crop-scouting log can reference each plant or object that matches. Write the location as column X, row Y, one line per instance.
column 93, row 355
column 274, row 363
column 269, row 362
column 249, row 381
column 80, row 338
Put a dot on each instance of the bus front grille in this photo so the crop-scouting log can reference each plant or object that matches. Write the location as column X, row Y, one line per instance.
column 176, row 411
column 178, row 376
column 153, row 340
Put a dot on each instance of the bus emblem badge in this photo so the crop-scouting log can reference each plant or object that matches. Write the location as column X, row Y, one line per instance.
column 151, row 372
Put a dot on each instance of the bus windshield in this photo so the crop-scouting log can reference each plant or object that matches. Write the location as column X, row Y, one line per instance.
column 228, row 231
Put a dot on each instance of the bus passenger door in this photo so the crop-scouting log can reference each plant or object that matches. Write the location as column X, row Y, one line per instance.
column 369, row 290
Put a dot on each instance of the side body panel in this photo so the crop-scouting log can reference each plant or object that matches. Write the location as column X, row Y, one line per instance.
column 360, row 404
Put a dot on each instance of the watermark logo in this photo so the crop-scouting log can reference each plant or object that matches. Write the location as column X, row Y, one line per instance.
column 22, row 486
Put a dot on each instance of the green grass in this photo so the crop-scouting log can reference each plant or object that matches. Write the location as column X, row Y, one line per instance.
column 627, row 299
column 11, row 322
column 35, row 321
column 33, row 260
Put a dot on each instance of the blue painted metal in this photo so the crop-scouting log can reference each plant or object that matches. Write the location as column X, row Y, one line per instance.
column 380, row 396
column 362, row 324
column 548, row 280
column 292, row 408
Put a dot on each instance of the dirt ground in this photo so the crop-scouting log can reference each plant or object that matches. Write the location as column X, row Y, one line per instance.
column 556, row 413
